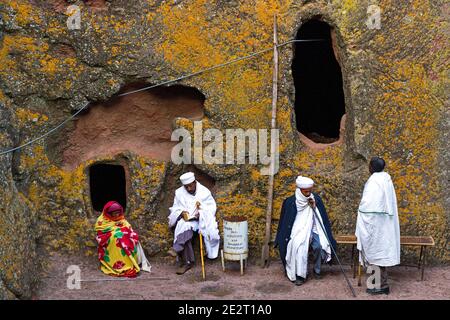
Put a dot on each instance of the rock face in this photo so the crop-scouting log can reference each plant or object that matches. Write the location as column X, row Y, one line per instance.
column 18, row 230
column 394, row 84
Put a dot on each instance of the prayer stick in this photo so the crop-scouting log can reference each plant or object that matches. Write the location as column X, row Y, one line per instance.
column 333, row 251
column 202, row 258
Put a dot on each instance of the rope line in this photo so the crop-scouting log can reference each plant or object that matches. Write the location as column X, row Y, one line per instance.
column 254, row 54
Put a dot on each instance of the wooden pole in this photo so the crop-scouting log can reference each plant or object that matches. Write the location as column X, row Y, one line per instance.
column 202, row 258
column 423, row 262
column 265, row 256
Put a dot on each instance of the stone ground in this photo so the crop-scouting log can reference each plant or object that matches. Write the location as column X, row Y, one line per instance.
column 257, row 283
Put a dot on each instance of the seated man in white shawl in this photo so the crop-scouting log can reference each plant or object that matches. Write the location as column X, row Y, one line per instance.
column 303, row 225
column 194, row 209
column 377, row 226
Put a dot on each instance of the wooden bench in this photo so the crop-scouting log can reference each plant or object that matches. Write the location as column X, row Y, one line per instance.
column 423, row 242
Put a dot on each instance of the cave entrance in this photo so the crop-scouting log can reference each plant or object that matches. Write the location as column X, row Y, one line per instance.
column 107, row 182
column 319, row 95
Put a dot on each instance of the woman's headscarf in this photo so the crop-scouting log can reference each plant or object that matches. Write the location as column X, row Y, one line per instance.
column 110, row 207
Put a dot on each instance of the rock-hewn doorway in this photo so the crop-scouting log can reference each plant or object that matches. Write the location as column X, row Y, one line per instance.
column 107, row 183
column 319, row 95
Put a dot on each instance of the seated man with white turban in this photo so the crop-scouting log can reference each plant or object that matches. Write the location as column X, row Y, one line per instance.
column 303, row 225
column 194, row 209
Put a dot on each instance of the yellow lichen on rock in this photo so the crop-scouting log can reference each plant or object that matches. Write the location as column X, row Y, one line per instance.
column 25, row 12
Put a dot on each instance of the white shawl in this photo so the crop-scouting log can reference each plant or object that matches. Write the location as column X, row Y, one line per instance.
column 298, row 245
column 206, row 225
column 142, row 259
column 377, row 226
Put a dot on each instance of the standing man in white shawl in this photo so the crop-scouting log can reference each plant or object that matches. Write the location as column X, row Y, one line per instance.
column 194, row 209
column 377, row 227
column 303, row 225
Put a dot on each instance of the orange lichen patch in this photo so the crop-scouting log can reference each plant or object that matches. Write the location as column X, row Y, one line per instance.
column 55, row 27
column 255, row 174
column 71, row 63
column 49, row 65
column 148, row 173
column 408, row 113
column 324, row 166
column 251, row 206
column 160, row 232
column 116, row 35
column 115, row 50
column 349, row 14
column 26, row 13
column 260, row 17
column 192, row 43
column 262, row 13
column 17, row 44
column 2, row 97
column 34, row 56
column 282, row 189
column 25, row 116
column 100, row 23
column 323, row 160
column 77, row 231
column 349, row 5
column 191, row 38
column 407, row 25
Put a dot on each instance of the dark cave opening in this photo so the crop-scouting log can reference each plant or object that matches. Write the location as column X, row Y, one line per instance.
column 319, row 95
column 107, row 183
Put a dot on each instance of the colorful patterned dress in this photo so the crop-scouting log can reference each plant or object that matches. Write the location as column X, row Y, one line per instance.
column 117, row 244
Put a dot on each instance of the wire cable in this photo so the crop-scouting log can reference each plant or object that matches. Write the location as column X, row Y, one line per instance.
column 154, row 86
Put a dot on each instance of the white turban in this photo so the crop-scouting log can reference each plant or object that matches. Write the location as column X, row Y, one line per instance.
column 304, row 182
column 187, row 178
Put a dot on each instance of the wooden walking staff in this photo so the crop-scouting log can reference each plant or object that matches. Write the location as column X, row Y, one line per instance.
column 265, row 256
column 197, row 212
column 201, row 256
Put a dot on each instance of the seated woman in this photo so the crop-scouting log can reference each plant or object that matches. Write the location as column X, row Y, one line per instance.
column 119, row 250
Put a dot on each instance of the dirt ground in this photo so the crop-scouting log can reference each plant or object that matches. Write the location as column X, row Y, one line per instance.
column 257, row 283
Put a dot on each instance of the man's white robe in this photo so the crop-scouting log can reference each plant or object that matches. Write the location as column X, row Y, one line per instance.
column 377, row 226
column 206, row 225
column 298, row 245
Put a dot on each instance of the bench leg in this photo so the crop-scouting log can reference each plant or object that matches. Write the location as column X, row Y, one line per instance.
column 353, row 261
column 223, row 260
column 420, row 258
column 423, row 263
